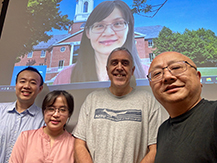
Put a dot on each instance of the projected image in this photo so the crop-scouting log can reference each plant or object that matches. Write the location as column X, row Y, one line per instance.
column 110, row 25
column 96, row 27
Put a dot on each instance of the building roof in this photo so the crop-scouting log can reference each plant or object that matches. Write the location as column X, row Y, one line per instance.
column 53, row 40
column 149, row 31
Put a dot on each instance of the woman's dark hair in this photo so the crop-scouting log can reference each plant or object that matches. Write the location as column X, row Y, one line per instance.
column 51, row 97
column 83, row 70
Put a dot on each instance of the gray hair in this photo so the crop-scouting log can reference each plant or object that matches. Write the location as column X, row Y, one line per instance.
column 121, row 49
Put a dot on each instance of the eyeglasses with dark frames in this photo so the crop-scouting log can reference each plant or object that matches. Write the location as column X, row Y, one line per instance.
column 176, row 68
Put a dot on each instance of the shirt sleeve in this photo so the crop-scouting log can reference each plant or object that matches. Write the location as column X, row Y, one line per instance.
column 155, row 120
column 83, row 119
column 18, row 151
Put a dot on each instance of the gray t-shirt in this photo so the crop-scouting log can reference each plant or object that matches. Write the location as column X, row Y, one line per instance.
column 118, row 129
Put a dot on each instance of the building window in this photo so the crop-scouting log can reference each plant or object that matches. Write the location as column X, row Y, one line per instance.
column 150, row 43
column 61, row 64
column 62, row 49
column 75, row 53
column 41, row 64
column 85, row 6
column 43, row 53
column 30, row 54
column 151, row 56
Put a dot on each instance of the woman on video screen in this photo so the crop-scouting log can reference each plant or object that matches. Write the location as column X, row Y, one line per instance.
column 110, row 25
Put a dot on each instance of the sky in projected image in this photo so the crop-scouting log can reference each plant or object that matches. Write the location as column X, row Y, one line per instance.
column 175, row 14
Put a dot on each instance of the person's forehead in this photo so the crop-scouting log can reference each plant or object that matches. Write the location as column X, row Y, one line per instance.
column 116, row 13
column 29, row 74
column 120, row 55
column 165, row 59
column 61, row 99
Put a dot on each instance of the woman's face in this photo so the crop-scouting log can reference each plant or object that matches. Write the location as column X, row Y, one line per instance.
column 56, row 116
column 109, row 39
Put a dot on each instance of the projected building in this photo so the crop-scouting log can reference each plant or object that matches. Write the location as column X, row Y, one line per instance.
column 62, row 50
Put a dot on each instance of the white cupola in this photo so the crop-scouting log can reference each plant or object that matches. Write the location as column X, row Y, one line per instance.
column 83, row 10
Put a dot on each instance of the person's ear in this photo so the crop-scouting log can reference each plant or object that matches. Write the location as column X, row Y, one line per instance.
column 133, row 69
column 40, row 88
column 199, row 77
column 199, row 74
column 69, row 115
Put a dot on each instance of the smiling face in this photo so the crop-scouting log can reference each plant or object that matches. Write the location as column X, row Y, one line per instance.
column 120, row 69
column 184, row 88
column 27, row 87
column 105, row 42
column 55, row 122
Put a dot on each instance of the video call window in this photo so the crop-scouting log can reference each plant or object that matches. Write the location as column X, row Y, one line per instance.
column 83, row 51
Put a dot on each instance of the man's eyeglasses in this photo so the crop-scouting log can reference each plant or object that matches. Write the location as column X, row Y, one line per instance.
column 118, row 25
column 175, row 69
column 51, row 110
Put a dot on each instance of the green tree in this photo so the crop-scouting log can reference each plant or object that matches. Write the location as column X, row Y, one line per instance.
column 199, row 45
column 42, row 16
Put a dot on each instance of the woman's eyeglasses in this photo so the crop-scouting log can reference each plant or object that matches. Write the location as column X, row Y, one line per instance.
column 118, row 25
column 61, row 110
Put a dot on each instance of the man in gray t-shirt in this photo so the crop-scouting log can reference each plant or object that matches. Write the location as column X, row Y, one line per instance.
column 118, row 124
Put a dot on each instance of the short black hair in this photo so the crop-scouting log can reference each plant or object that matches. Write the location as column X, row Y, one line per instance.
column 30, row 68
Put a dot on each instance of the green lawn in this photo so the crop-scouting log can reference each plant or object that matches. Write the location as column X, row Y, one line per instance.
column 208, row 71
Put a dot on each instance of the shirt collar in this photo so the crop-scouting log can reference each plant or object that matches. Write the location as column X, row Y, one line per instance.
column 185, row 115
column 32, row 110
column 11, row 107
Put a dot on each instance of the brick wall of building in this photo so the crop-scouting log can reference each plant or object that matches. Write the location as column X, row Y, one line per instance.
column 58, row 55
column 140, row 45
column 35, row 56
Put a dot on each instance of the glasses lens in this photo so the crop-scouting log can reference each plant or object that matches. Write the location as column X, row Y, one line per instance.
column 98, row 28
column 155, row 74
column 119, row 25
column 177, row 68
column 50, row 110
column 63, row 110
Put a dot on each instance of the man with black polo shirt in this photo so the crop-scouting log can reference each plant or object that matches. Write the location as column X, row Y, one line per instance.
column 190, row 133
